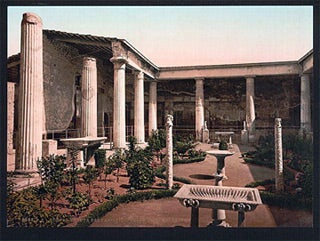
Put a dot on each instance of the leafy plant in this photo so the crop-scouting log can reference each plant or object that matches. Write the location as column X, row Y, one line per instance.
column 51, row 170
column 100, row 160
column 157, row 141
column 223, row 145
column 139, row 169
column 78, row 202
column 117, row 159
column 90, row 174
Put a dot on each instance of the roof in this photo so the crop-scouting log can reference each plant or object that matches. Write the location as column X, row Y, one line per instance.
column 96, row 46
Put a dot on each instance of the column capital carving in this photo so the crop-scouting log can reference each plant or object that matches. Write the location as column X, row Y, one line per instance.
column 88, row 61
column 119, row 62
column 118, row 50
column 138, row 74
column 31, row 18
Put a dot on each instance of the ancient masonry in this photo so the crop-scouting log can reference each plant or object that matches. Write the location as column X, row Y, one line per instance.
column 72, row 85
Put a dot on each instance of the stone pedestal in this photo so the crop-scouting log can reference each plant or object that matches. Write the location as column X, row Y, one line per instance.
column 278, row 156
column 305, row 109
column 152, row 107
column 89, row 98
column 49, row 147
column 119, row 102
column 199, row 108
column 31, row 105
column 169, row 156
column 139, row 107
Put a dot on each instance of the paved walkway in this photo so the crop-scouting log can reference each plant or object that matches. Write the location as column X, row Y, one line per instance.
column 170, row 213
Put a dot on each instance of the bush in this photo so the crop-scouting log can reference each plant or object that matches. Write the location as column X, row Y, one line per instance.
column 106, row 207
column 139, row 169
column 79, row 202
column 223, row 145
column 22, row 211
column 100, row 158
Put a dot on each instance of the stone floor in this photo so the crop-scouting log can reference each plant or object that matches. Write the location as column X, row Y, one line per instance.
column 170, row 213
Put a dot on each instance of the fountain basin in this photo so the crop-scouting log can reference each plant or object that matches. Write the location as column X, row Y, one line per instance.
column 219, row 197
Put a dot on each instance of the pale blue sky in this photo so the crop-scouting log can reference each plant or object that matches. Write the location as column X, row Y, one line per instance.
column 176, row 36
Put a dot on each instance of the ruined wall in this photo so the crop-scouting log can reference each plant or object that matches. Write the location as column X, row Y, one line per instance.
column 225, row 101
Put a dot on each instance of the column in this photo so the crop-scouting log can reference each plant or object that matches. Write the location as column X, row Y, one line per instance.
column 89, row 98
column 31, row 107
column 169, row 156
column 199, row 108
column 305, row 109
column 119, row 102
column 278, row 155
column 139, row 107
column 250, row 110
column 10, row 116
column 152, row 107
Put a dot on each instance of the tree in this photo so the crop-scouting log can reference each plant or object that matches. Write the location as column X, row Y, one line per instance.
column 51, row 170
column 90, row 174
column 157, row 141
column 118, row 159
column 109, row 168
column 100, row 160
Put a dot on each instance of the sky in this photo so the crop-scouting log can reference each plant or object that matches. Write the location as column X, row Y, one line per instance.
column 189, row 35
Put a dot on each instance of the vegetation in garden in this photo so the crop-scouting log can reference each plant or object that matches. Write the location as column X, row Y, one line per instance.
column 62, row 182
column 298, row 170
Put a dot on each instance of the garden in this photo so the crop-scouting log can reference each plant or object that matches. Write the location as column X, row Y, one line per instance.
column 297, row 172
column 72, row 196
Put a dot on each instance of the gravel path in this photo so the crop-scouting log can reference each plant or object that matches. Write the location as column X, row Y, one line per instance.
column 170, row 213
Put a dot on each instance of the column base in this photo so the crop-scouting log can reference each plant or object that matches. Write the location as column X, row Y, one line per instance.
column 219, row 224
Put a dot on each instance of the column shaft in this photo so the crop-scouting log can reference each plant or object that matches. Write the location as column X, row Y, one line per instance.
column 152, row 107
column 305, row 109
column 31, row 104
column 89, row 98
column 199, row 109
column 119, row 103
column 139, row 107
column 279, row 183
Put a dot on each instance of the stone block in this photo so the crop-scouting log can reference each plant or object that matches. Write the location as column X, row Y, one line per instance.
column 49, row 147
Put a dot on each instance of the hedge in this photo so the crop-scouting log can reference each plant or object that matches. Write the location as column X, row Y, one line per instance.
column 106, row 207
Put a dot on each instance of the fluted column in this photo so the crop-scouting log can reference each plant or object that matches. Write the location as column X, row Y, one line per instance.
column 89, row 98
column 119, row 102
column 30, row 119
column 199, row 108
column 305, row 109
column 139, row 107
column 250, row 110
column 278, row 155
column 152, row 107
column 169, row 146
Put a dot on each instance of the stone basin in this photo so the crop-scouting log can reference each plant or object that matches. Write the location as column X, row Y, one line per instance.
column 219, row 197
column 83, row 141
column 220, row 153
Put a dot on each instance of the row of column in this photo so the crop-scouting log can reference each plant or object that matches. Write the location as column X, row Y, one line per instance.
column 305, row 109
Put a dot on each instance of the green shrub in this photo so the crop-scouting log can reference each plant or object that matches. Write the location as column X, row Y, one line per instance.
column 79, row 202
column 100, row 158
column 22, row 211
column 223, row 145
column 106, row 207
column 138, row 166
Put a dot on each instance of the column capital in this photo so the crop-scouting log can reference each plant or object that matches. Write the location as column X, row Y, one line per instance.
column 31, row 18
column 250, row 76
column 119, row 62
column 88, row 61
column 138, row 74
column 199, row 78
column 304, row 75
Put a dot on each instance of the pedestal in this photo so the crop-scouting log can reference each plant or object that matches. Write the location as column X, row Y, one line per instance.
column 219, row 215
